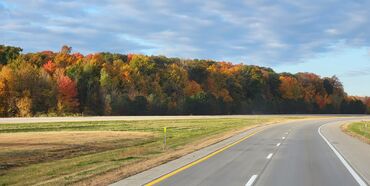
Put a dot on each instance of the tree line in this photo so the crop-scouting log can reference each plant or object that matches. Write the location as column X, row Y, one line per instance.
column 66, row 83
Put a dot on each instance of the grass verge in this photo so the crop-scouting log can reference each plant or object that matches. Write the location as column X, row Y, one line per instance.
column 100, row 152
column 360, row 130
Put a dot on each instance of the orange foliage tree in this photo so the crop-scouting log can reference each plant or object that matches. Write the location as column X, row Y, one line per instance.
column 290, row 88
column 49, row 67
column 192, row 88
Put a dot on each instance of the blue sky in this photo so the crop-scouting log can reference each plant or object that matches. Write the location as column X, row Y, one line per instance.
column 325, row 37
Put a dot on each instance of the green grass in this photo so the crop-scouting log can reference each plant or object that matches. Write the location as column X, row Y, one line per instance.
column 78, row 166
column 360, row 128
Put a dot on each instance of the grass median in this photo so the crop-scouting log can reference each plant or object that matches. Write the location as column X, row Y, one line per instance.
column 360, row 130
column 100, row 152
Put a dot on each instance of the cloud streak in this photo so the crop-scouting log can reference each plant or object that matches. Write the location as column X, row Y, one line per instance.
column 259, row 32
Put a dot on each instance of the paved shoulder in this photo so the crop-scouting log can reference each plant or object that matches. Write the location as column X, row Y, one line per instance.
column 355, row 151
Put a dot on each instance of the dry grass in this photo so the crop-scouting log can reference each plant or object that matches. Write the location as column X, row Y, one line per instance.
column 25, row 148
column 46, row 140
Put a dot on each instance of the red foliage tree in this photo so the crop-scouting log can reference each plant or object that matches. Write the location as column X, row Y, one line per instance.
column 89, row 56
column 129, row 57
column 78, row 55
column 49, row 67
column 67, row 89
column 47, row 52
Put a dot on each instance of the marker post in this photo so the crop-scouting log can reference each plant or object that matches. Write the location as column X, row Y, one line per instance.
column 164, row 137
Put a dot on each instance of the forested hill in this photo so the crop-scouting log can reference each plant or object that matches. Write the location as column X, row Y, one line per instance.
column 64, row 83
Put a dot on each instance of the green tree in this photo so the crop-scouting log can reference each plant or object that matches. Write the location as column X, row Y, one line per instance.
column 8, row 53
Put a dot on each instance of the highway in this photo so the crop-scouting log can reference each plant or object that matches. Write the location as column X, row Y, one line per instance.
column 286, row 155
column 313, row 152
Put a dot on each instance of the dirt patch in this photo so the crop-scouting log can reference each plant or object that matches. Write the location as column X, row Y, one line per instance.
column 345, row 129
column 21, row 149
column 48, row 139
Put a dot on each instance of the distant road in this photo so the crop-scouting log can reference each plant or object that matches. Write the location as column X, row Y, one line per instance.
column 116, row 118
column 127, row 118
column 303, row 153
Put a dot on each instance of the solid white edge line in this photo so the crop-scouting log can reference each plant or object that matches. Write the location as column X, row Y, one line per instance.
column 345, row 163
column 269, row 156
column 278, row 144
column 251, row 180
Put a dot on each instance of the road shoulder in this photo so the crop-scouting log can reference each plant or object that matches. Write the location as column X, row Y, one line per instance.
column 354, row 151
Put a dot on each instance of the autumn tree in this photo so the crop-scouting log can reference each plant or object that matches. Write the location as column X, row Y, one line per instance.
column 118, row 84
column 67, row 95
column 49, row 67
column 217, row 82
column 7, row 97
column 192, row 88
column 40, row 58
column 113, row 87
column 290, row 88
column 24, row 104
column 64, row 58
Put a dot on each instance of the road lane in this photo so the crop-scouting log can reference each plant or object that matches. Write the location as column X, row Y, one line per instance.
column 236, row 165
column 306, row 159
column 299, row 157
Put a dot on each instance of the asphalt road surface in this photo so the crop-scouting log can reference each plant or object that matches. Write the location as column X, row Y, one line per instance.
column 286, row 155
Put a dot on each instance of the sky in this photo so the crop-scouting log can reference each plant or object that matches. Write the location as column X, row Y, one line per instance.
column 328, row 37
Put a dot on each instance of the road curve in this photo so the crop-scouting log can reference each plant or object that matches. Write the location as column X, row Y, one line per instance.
column 286, row 155
column 353, row 149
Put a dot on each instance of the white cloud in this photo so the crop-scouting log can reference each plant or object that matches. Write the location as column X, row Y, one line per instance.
column 332, row 31
column 260, row 32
